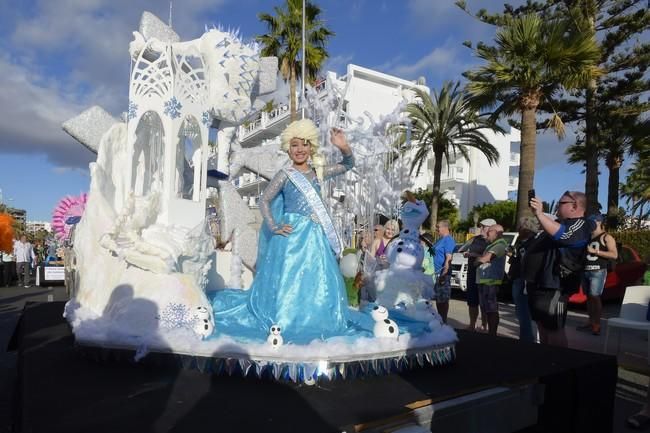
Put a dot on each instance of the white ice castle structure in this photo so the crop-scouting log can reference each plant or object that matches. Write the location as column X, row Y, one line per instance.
column 143, row 249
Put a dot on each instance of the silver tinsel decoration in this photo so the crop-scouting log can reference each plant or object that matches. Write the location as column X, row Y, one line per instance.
column 237, row 215
column 89, row 127
column 152, row 27
column 298, row 371
column 268, row 75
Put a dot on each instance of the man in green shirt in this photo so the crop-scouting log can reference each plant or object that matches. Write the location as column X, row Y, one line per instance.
column 489, row 275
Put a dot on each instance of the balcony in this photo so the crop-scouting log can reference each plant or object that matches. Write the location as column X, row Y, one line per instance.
column 250, row 183
column 513, row 182
column 266, row 125
column 514, row 158
column 455, row 174
column 252, row 201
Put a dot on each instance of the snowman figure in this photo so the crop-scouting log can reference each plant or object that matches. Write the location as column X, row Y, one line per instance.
column 274, row 338
column 404, row 281
column 384, row 327
column 422, row 311
column 203, row 325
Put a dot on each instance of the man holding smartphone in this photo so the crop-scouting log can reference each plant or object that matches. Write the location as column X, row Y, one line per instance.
column 553, row 264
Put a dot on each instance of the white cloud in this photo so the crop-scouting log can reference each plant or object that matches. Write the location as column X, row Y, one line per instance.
column 429, row 17
column 31, row 121
column 441, row 63
column 66, row 55
column 338, row 63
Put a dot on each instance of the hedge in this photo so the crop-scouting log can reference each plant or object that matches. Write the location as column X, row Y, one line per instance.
column 639, row 240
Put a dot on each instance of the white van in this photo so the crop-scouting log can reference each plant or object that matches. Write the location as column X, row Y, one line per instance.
column 459, row 263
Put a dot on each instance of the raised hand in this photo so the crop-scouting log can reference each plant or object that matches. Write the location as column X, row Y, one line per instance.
column 338, row 139
column 536, row 205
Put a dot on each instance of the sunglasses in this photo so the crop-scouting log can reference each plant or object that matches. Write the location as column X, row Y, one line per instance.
column 567, row 194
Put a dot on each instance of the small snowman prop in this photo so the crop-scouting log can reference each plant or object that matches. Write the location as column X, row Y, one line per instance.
column 274, row 338
column 203, row 325
column 384, row 327
column 404, row 282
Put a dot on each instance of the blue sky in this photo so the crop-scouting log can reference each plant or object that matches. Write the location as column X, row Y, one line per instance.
column 58, row 57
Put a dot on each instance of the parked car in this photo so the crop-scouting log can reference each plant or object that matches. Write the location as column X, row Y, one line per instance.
column 459, row 263
column 628, row 271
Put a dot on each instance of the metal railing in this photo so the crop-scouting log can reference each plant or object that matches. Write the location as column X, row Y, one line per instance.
column 264, row 120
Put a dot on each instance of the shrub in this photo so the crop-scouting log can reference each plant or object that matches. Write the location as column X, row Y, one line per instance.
column 639, row 240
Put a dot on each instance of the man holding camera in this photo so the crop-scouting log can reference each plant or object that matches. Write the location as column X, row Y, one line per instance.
column 554, row 262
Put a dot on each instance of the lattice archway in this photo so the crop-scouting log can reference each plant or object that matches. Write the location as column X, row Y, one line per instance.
column 152, row 74
column 190, row 82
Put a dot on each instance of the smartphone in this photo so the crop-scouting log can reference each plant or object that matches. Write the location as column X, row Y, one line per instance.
column 531, row 195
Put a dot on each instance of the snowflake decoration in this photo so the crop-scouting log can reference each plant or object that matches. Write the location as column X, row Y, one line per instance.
column 176, row 316
column 206, row 119
column 173, row 108
column 133, row 110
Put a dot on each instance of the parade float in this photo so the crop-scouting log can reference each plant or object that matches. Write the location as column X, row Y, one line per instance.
column 67, row 213
column 145, row 260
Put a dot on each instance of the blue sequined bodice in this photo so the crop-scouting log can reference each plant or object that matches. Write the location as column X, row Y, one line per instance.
column 295, row 201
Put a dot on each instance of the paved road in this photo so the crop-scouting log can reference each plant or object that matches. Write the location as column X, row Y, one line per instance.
column 633, row 366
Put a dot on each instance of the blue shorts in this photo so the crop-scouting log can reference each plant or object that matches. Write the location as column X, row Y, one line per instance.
column 593, row 282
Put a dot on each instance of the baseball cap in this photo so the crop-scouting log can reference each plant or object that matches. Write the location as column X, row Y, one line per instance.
column 488, row 222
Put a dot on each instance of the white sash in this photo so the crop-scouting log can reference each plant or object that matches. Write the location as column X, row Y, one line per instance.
column 317, row 205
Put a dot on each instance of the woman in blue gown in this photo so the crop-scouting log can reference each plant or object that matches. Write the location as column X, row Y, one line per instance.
column 298, row 285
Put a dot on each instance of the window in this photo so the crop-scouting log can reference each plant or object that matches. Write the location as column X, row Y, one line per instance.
column 189, row 160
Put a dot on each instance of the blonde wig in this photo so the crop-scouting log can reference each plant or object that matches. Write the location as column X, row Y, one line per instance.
column 392, row 224
column 305, row 129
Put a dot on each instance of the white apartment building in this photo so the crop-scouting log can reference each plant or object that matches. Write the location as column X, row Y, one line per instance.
column 472, row 182
column 467, row 183
column 34, row 226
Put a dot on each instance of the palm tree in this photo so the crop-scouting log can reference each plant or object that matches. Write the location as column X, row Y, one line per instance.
column 620, row 134
column 445, row 126
column 532, row 60
column 284, row 41
column 636, row 189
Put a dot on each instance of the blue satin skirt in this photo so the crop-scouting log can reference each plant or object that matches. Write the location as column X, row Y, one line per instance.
column 298, row 286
